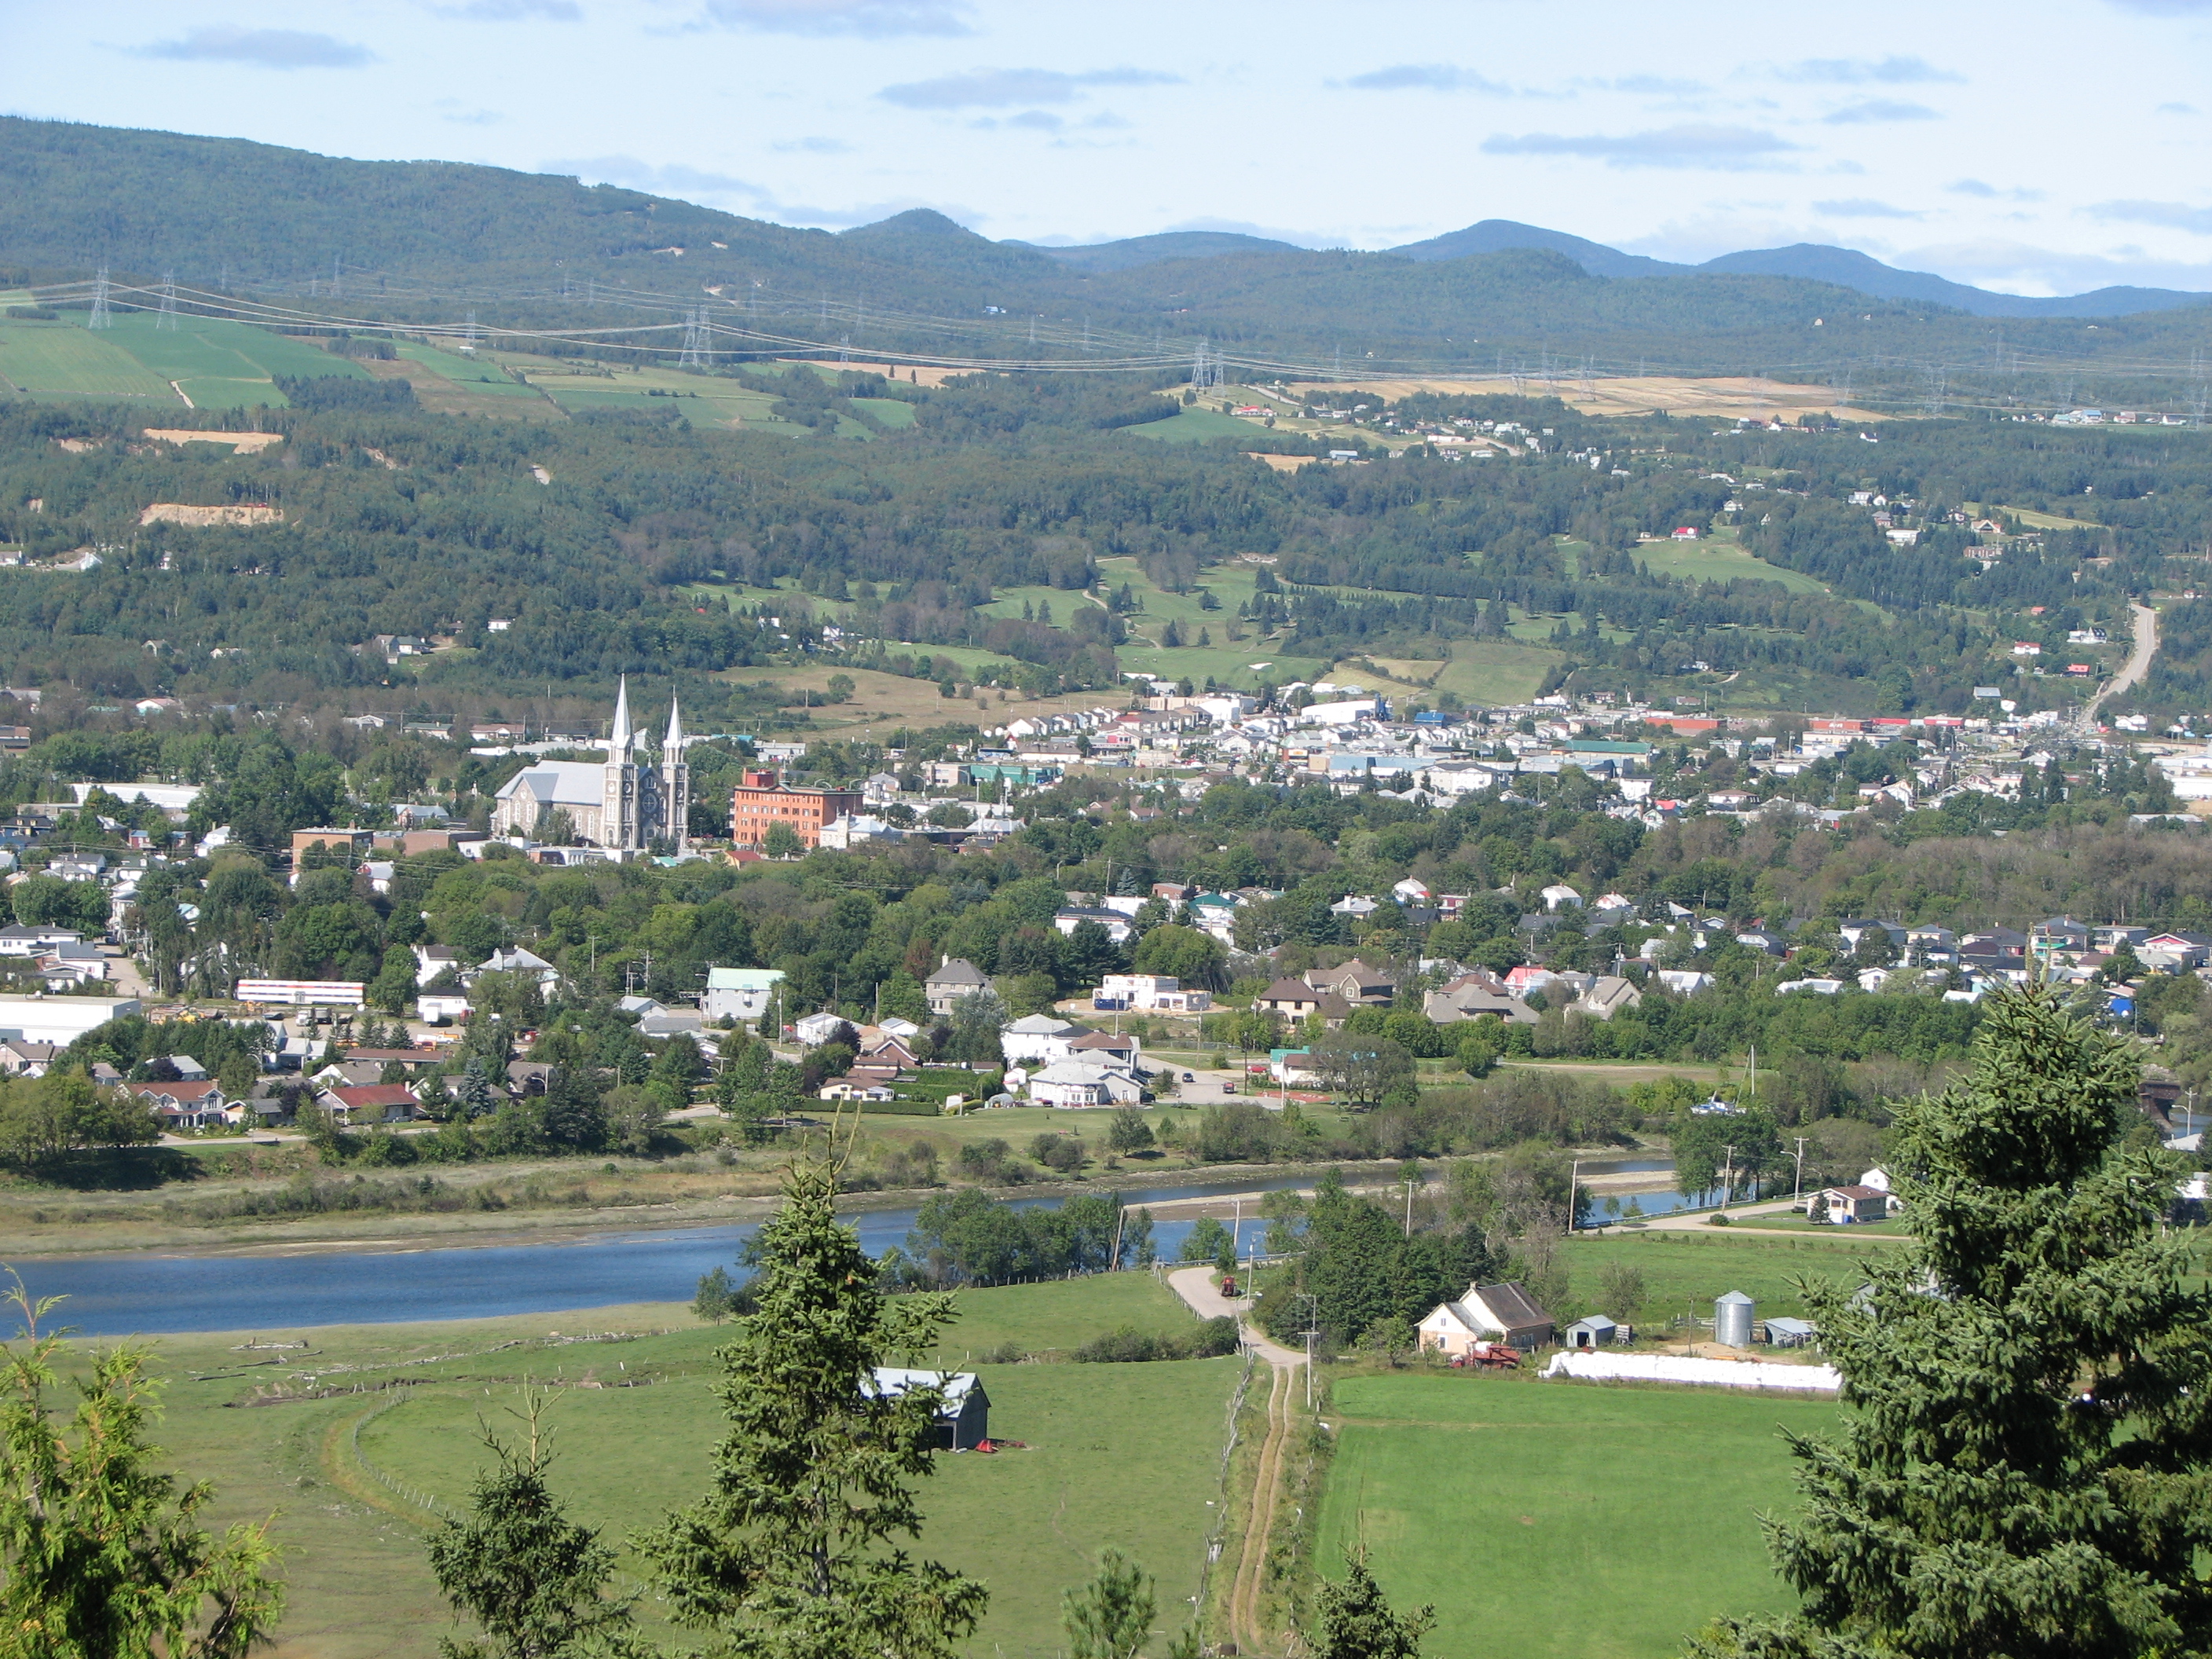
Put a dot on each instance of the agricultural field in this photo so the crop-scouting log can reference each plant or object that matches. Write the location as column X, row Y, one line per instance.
column 1127, row 1455
column 1684, row 1271
column 1194, row 425
column 64, row 360
column 1718, row 557
column 1495, row 670
column 1603, row 1523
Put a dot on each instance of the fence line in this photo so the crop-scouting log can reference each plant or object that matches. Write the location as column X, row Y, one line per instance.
column 415, row 1495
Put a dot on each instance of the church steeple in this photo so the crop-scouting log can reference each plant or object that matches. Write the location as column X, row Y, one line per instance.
column 672, row 746
column 618, row 738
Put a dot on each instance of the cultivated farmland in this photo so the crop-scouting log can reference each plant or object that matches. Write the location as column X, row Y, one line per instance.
column 61, row 360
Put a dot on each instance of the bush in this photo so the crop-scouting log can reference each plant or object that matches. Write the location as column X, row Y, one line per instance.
column 1061, row 1153
column 1129, row 1346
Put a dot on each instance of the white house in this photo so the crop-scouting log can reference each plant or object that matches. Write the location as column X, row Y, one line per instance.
column 815, row 1029
column 1038, row 1039
column 1084, row 1083
column 738, row 993
column 1073, row 916
column 1487, row 1313
column 1153, row 992
column 1559, row 895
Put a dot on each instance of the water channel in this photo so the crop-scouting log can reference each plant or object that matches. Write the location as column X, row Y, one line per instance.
column 120, row 1294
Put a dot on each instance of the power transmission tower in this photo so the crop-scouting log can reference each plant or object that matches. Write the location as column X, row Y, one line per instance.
column 695, row 339
column 101, row 316
column 335, row 285
column 1936, row 382
column 166, row 319
column 469, row 333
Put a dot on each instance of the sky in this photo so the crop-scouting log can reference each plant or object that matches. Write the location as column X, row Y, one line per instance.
column 2031, row 146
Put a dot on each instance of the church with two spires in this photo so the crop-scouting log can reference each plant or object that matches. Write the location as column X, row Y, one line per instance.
column 626, row 803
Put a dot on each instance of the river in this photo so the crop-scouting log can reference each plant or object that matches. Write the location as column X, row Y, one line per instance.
column 149, row 1293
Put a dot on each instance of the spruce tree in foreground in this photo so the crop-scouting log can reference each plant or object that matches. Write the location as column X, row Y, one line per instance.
column 101, row 1557
column 1110, row 1617
column 534, row 1580
column 790, row 1554
column 1353, row 1621
column 2024, row 1469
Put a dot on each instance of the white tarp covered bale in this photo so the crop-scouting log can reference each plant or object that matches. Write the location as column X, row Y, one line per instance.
column 1602, row 1366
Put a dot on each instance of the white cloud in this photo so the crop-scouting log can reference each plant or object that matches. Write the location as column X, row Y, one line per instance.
column 514, row 11
column 867, row 18
column 989, row 89
column 285, row 49
column 1879, row 109
column 1861, row 207
column 1429, row 77
column 1732, row 149
column 815, row 146
column 2170, row 216
column 1892, row 70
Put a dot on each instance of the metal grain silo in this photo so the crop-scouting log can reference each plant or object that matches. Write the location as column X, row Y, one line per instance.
column 1733, row 1317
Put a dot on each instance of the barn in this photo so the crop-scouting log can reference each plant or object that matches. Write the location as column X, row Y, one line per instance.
column 963, row 1420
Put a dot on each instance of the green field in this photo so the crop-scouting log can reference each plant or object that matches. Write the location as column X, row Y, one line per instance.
column 1603, row 1523
column 64, row 360
column 1495, row 670
column 1718, row 558
column 1684, row 1272
column 1194, row 425
column 225, row 365
column 1122, row 1454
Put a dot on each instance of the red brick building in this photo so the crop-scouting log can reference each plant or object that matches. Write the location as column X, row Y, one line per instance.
column 762, row 799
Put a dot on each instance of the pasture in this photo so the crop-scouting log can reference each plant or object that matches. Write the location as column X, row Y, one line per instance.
column 1195, row 425
column 1495, row 670
column 65, row 360
column 1558, row 1518
column 225, row 365
column 1718, row 558
column 1684, row 1271
column 1125, row 1455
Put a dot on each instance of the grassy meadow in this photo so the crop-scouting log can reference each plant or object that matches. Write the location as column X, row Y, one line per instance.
column 1685, row 1271
column 1567, row 1519
column 65, row 360
column 1126, row 1455
column 1718, row 557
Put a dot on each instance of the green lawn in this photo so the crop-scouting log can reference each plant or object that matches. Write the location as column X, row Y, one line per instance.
column 1120, row 1453
column 1603, row 1523
column 1717, row 557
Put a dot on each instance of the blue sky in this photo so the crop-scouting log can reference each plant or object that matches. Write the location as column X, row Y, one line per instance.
column 2037, row 146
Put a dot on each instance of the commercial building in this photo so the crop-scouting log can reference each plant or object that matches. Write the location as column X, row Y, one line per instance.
column 762, row 800
column 59, row 1020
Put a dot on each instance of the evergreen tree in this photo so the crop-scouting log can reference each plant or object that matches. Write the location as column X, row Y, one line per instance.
column 1109, row 1617
column 533, row 1579
column 790, row 1555
column 475, row 1091
column 2024, row 1470
column 101, row 1557
column 1354, row 1622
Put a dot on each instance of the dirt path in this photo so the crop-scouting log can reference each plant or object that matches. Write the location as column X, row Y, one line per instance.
column 2138, row 665
column 1201, row 1290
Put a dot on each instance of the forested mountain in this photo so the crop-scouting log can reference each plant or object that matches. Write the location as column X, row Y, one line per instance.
column 420, row 240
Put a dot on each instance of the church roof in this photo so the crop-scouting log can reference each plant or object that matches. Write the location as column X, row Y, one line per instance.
column 559, row 783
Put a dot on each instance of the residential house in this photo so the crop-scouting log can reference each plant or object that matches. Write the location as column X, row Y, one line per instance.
column 1847, row 1205
column 1487, row 1313
column 741, row 993
column 22, row 1058
column 432, row 960
column 1607, row 996
column 814, row 1030
column 1081, row 1082
column 1152, row 992
column 1038, row 1039
column 1559, row 896
column 377, row 1102
column 184, row 1105
column 514, row 959
column 35, row 941
column 1358, row 983
column 1684, row 981
column 953, row 979
column 1473, row 995
column 1293, row 999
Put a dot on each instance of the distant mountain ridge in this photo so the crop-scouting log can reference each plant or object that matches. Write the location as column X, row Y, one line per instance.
column 1817, row 262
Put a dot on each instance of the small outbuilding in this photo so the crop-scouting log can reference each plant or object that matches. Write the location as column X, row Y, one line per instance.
column 964, row 1419
column 1595, row 1332
column 1791, row 1333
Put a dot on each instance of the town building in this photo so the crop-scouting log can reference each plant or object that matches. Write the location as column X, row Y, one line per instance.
column 761, row 800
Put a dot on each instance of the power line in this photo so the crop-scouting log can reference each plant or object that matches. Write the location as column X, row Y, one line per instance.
column 166, row 319
column 101, row 316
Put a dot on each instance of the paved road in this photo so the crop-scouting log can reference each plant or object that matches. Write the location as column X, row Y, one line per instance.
column 1201, row 1288
column 2138, row 665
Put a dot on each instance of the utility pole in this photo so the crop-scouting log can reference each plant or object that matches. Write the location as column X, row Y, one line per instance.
column 1798, row 1191
column 1574, row 1179
column 1412, row 1181
column 1728, row 1180
column 1312, row 1305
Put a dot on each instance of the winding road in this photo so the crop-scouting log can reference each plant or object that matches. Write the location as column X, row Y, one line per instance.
column 2139, row 664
